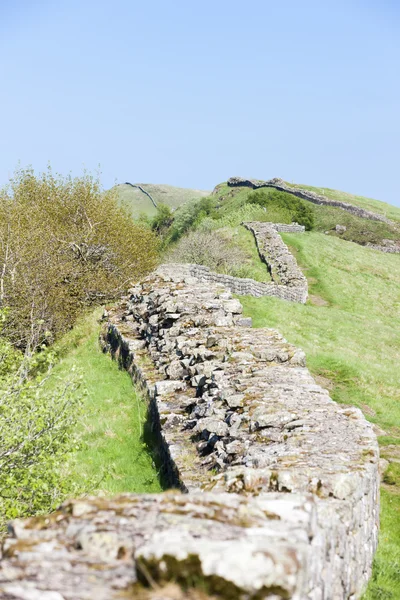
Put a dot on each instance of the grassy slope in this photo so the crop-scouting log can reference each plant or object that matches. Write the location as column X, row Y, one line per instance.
column 362, row 231
column 113, row 456
column 138, row 203
column 392, row 212
column 349, row 331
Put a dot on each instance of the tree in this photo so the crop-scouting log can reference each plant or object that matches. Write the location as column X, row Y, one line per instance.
column 64, row 245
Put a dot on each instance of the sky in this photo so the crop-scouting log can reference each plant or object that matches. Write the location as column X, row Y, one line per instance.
column 192, row 93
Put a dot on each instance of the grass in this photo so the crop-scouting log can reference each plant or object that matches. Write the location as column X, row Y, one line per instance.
column 349, row 331
column 232, row 201
column 112, row 457
column 251, row 267
column 138, row 203
column 390, row 211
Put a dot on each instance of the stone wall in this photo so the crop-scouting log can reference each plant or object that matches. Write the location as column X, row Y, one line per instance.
column 283, row 482
column 279, row 184
column 275, row 254
column 288, row 282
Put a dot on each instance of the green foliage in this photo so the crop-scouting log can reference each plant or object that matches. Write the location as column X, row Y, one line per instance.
column 188, row 217
column 361, row 231
column 291, row 206
column 37, row 433
column 377, row 206
column 64, row 245
column 163, row 219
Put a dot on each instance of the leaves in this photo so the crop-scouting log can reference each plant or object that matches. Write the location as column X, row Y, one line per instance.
column 64, row 245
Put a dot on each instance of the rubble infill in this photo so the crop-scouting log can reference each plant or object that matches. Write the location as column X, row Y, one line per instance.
column 283, row 483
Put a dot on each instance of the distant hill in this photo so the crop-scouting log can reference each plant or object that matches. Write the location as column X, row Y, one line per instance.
column 134, row 196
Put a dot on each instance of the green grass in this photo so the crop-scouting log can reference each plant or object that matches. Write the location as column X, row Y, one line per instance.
column 349, row 331
column 232, row 201
column 138, row 203
column 390, row 211
column 252, row 266
column 113, row 457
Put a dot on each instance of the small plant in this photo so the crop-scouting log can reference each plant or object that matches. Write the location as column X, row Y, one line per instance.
column 210, row 249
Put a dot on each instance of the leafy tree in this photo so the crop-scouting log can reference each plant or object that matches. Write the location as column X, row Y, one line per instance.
column 163, row 219
column 64, row 245
column 188, row 217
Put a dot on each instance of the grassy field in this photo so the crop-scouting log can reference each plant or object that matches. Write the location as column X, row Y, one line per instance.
column 138, row 203
column 349, row 331
column 112, row 457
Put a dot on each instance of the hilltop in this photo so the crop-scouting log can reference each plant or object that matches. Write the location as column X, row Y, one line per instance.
column 141, row 198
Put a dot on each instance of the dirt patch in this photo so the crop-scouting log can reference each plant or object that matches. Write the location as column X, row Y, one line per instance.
column 391, row 453
column 367, row 410
column 317, row 300
column 324, row 382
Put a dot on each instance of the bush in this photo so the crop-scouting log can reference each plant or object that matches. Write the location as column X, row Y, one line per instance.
column 189, row 216
column 293, row 208
column 210, row 249
column 163, row 219
column 64, row 245
column 36, row 436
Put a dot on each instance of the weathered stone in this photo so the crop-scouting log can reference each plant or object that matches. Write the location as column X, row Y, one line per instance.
column 294, row 507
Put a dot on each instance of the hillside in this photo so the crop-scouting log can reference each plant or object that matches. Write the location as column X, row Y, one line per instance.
column 390, row 211
column 139, row 203
column 228, row 200
column 347, row 328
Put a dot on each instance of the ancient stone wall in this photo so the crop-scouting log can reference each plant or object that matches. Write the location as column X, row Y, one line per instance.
column 288, row 282
column 275, row 254
column 279, row 184
column 283, row 482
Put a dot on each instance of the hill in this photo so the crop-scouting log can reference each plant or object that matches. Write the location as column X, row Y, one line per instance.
column 141, row 198
column 348, row 327
column 229, row 199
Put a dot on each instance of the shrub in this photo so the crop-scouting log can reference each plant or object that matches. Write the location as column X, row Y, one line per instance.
column 207, row 248
column 163, row 219
column 36, row 436
column 189, row 216
column 64, row 245
column 291, row 207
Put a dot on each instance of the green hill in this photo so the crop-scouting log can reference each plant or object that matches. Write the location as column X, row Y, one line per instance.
column 138, row 202
column 383, row 208
column 349, row 327
column 228, row 200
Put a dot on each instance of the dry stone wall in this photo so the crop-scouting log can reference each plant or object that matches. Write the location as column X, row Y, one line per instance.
column 283, row 482
column 279, row 184
column 276, row 255
column 288, row 282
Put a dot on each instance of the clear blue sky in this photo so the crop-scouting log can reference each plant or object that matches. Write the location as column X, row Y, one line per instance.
column 191, row 93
